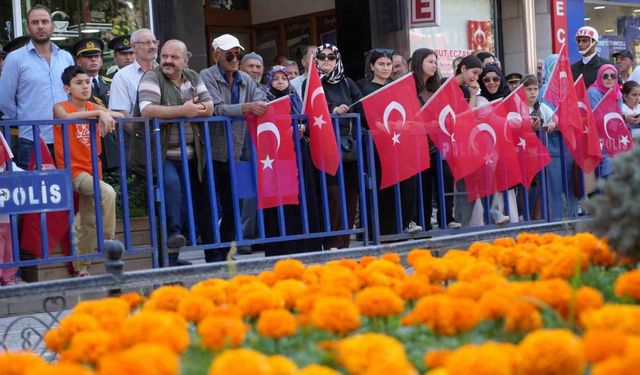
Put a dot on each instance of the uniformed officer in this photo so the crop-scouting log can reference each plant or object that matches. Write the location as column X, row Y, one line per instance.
column 88, row 53
column 123, row 54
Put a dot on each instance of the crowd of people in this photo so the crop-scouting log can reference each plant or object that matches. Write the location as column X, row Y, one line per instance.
column 40, row 81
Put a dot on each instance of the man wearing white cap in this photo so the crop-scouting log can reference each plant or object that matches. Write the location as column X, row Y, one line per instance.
column 234, row 93
column 587, row 40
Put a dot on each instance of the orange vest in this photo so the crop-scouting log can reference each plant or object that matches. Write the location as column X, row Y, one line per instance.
column 79, row 144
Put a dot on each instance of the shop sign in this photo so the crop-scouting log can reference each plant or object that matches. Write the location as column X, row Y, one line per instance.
column 425, row 13
column 559, row 23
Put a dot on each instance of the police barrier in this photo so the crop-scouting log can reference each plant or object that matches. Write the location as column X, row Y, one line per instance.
column 215, row 203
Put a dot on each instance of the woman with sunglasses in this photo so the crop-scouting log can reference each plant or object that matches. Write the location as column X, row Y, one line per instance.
column 494, row 86
column 341, row 92
column 424, row 67
column 606, row 80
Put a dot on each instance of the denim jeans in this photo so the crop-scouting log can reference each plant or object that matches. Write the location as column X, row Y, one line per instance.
column 174, row 194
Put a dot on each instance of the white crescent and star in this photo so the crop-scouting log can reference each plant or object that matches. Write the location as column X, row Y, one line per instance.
column 269, row 127
column 482, row 127
column 317, row 120
column 624, row 139
column 393, row 106
column 443, row 117
column 512, row 117
column 608, row 117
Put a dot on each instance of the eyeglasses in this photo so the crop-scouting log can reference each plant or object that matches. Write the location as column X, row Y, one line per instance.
column 148, row 43
column 230, row 56
column 609, row 76
column 322, row 57
column 489, row 79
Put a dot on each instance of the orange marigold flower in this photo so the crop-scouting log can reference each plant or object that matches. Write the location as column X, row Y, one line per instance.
column 494, row 304
column 215, row 293
column 18, row 363
column 55, row 341
column 63, row 368
column 487, row 359
column 588, row 298
column 73, row 324
column 444, row 315
column 522, row 317
column 257, row 301
column 305, row 303
column 551, row 352
column 383, row 273
column 612, row 317
column 526, row 237
column 268, row 277
column 336, row 315
column 391, row 257
column 379, row 301
column 476, row 271
column 291, row 290
column 195, row 307
column 143, row 359
column 416, row 254
column 600, row 345
column 628, row 285
column 358, row 354
column 88, row 347
column 289, row 269
column 351, row 264
column 527, row 265
column 109, row 312
column 628, row 363
column 417, row 286
column 436, row 269
column 565, row 264
column 317, row 370
column 166, row 298
column 598, row 251
column 365, row 260
column 281, row 365
column 277, row 324
column 133, row 299
column 436, row 358
column 216, row 332
column 339, row 276
column 504, row 241
column 555, row 293
column 465, row 290
column 240, row 362
column 156, row 327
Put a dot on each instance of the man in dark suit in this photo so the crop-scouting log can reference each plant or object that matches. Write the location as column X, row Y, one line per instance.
column 588, row 65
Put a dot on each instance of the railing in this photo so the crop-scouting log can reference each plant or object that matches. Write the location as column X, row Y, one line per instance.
column 211, row 191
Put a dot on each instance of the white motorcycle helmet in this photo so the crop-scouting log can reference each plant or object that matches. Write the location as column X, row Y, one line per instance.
column 589, row 32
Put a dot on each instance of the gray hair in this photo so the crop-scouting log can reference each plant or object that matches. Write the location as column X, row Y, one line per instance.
column 135, row 37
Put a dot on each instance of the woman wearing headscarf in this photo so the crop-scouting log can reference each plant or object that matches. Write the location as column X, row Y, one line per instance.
column 560, row 205
column 278, row 86
column 424, row 67
column 341, row 92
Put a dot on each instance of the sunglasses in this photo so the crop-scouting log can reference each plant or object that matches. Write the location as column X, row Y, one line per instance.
column 489, row 79
column 230, row 56
column 383, row 51
column 609, row 76
column 323, row 57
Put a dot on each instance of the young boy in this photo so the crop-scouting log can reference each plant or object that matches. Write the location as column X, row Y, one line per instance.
column 77, row 85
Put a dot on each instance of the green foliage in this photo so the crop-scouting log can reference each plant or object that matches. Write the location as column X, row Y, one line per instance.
column 136, row 193
column 603, row 279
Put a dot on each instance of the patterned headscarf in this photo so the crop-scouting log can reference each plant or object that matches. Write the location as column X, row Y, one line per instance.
column 277, row 69
column 337, row 74
column 600, row 86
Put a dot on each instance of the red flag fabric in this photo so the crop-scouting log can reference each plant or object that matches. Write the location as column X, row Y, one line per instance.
column 614, row 133
column 533, row 156
column 587, row 153
column 441, row 116
column 400, row 139
column 324, row 148
column 561, row 93
column 5, row 151
column 500, row 168
column 272, row 135
column 57, row 222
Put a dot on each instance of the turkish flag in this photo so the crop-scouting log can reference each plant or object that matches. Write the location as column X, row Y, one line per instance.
column 5, row 151
column 272, row 135
column 614, row 133
column 441, row 116
column 324, row 148
column 399, row 136
column 57, row 222
column 561, row 93
column 533, row 156
column 587, row 153
column 500, row 167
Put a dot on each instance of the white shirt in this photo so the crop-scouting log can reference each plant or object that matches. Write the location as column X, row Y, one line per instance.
column 635, row 75
column 124, row 88
column 296, row 83
column 635, row 131
column 586, row 59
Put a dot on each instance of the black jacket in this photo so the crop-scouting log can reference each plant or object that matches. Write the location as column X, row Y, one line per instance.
column 590, row 70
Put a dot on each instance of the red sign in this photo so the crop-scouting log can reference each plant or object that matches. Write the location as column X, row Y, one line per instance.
column 559, row 23
column 480, row 35
column 425, row 13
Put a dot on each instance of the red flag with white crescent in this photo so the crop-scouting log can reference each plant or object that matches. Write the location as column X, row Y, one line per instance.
column 272, row 134
column 533, row 156
column 587, row 153
column 399, row 136
column 322, row 138
column 614, row 133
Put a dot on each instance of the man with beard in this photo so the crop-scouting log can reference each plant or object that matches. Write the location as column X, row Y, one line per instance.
column 253, row 65
column 31, row 82
column 400, row 67
column 172, row 90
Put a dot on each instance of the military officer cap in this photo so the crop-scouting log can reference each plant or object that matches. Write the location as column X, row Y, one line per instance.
column 88, row 47
column 14, row 44
column 121, row 44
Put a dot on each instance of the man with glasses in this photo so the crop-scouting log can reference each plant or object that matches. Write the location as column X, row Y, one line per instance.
column 31, row 81
column 234, row 93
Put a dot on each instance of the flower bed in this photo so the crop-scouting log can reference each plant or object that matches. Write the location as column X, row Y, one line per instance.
column 539, row 304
